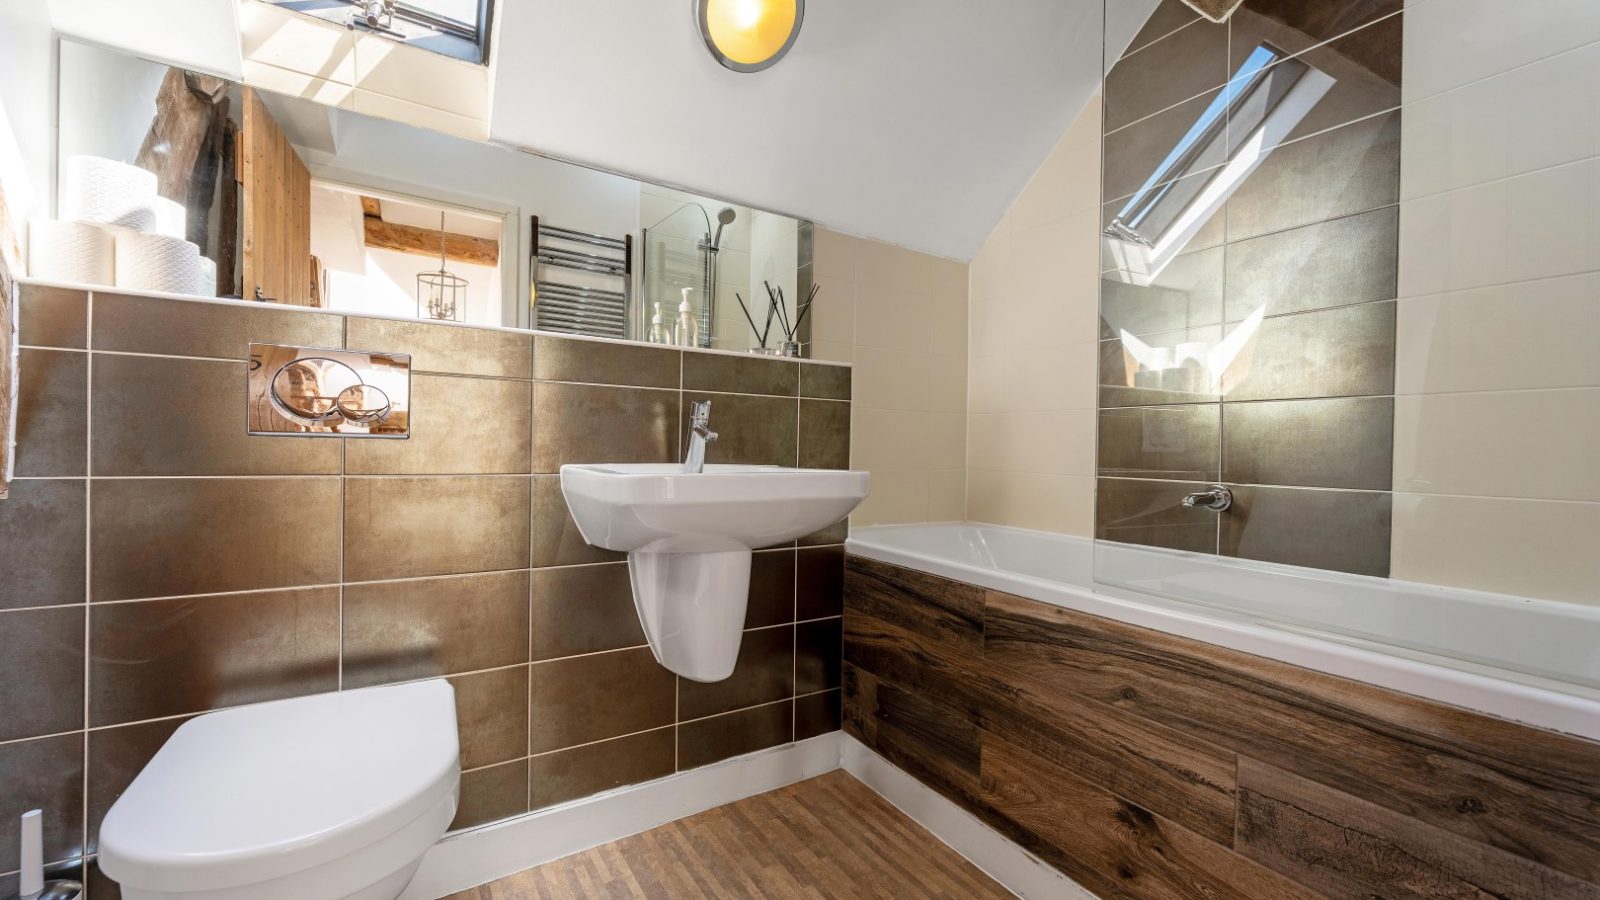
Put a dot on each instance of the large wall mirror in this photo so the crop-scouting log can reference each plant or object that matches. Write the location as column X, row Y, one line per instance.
column 175, row 181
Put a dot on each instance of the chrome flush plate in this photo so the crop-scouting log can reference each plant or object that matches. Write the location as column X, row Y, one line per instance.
column 316, row 392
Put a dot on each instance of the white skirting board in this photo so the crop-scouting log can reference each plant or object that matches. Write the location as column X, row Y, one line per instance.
column 1016, row 869
column 504, row 848
column 495, row 851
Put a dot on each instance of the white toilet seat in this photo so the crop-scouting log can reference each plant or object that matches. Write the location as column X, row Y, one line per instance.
column 326, row 797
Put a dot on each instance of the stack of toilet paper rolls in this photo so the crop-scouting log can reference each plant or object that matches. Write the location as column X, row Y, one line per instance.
column 114, row 229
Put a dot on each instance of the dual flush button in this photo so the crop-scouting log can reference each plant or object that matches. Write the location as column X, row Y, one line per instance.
column 332, row 393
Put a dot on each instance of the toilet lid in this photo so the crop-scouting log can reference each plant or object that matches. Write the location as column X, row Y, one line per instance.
column 263, row 791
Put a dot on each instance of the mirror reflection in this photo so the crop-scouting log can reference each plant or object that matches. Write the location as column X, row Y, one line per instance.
column 179, row 182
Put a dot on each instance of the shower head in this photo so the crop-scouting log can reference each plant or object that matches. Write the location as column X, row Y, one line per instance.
column 725, row 216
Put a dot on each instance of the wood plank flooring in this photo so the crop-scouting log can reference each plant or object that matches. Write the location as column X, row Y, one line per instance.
column 829, row 837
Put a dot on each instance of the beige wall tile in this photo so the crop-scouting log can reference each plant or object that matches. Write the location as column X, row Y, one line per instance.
column 1033, row 330
column 1057, row 442
column 1059, row 503
column 1528, row 548
column 1537, row 334
column 1530, row 444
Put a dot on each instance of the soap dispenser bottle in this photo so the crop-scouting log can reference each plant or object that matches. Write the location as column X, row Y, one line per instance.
column 659, row 333
column 686, row 331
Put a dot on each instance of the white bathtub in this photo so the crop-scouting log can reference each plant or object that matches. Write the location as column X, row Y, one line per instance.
column 1532, row 661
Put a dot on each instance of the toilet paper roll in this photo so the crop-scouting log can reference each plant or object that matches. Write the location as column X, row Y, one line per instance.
column 172, row 218
column 107, row 192
column 206, row 283
column 156, row 262
column 80, row 252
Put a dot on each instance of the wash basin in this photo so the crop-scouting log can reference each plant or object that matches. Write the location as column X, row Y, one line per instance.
column 660, row 508
column 688, row 536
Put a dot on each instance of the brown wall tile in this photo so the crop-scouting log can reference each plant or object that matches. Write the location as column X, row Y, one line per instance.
column 116, row 756
column 157, row 658
column 404, row 630
column 757, row 431
column 569, row 774
column 1343, row 442
column 398, row 527
column 44, row 774
column 599, row 362
column 837, row 533
column 1168, row 16
column 492, row 715
column 1295, row 25
column 578, row 423
column 1186, row 294
column 583, row 609
column 1347, row 170
column 706, row 741
column 41, row 543
column 1176, row 442
column 159, row 416
column 41, row 671
column 763, row 673
column 205, row 328
column 163, row 537
column 1190, row 61
column 52, row 413
column 556, row 539
column 1336, row 263
column 1134, row 154
column 819, row 583
column 459, row 426
column 1341, row 352
column 727, row 373
column 1346, row 531
column 824, row 434
column 52, row 316
column 825, row 382
column 1151, row 513
column 491, row 794
column 591, row 698
column 447, row 349
column 818, row 661
column 1364, row 65
column 772, row 589
column 817, row 714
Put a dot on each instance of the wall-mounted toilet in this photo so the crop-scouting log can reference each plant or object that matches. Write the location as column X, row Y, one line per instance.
column 329, row 797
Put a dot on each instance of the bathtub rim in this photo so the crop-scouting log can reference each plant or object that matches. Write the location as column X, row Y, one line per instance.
column 1441, row 680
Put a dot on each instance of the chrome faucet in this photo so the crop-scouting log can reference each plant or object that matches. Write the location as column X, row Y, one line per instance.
column 1217, row 499
column 700, row 434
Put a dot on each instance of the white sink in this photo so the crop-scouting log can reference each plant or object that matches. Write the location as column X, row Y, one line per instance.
column 688, row 537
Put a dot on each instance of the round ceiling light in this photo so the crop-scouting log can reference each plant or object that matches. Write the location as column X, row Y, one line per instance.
column 749, row 35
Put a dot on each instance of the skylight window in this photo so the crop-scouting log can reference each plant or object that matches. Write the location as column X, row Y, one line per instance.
column 458, row 28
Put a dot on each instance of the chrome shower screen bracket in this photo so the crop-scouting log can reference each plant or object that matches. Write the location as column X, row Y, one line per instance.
column 315, row 392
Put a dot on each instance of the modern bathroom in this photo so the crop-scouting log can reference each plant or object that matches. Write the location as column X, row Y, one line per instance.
column 1081, row 449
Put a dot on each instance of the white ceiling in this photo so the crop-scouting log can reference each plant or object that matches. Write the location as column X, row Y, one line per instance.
column 911, row 121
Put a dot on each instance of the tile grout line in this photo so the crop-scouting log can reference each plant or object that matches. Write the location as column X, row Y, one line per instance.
column 88, row 558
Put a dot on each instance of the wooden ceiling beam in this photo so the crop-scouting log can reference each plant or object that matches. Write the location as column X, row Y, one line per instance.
column 425, row 242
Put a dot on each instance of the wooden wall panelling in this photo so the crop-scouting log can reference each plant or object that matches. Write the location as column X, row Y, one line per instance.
column 1505, row 785
column 1150, row 766
column 1344, row 846
column 1114, row 847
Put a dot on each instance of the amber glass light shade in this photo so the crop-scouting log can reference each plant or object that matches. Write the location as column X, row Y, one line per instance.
column 749, row 35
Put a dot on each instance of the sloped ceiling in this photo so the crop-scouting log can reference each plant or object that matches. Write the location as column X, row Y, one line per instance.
column 911, row 121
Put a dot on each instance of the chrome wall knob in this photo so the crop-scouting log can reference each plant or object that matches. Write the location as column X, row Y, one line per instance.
column 1217, row 499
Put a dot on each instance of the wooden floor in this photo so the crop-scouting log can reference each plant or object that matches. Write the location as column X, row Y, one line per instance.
column 830, row 837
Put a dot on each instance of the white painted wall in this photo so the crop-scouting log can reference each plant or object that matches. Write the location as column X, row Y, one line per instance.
column 27, row 103
column 111, row 123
